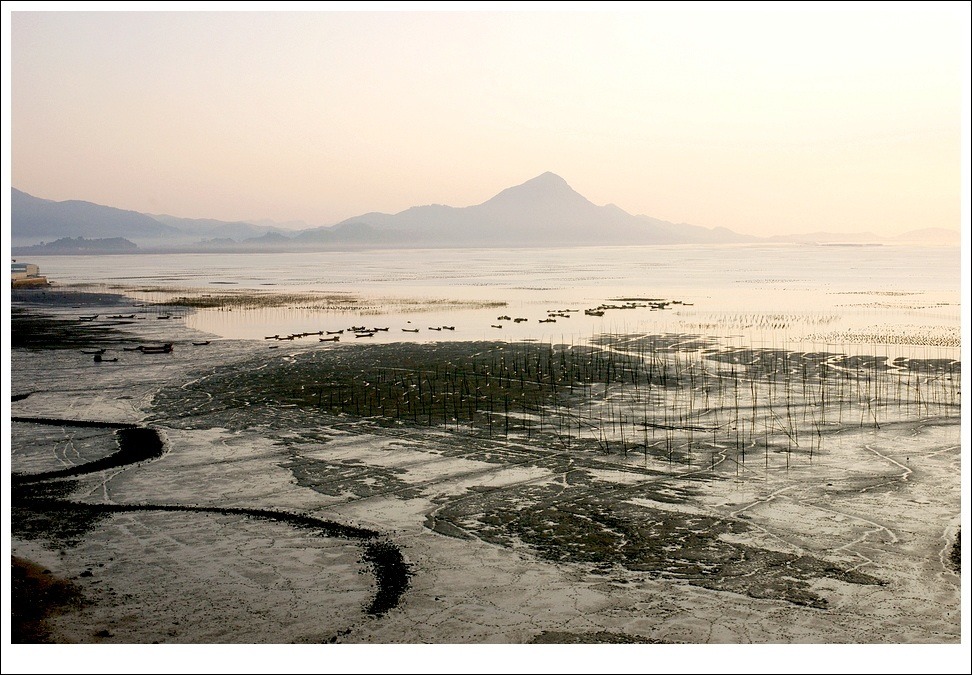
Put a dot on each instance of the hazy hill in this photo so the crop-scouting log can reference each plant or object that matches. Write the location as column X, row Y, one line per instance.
column 216, row 229
column 36, row 220
column 544, row 211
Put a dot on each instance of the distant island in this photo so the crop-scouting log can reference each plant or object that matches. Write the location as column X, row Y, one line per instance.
column 79, row 245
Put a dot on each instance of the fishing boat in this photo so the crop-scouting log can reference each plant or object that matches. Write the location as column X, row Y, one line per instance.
column 155, row 349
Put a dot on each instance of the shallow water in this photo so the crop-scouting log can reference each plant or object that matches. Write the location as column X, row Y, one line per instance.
column 766, row 295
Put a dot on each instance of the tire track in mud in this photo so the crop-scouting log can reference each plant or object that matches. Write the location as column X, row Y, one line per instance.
column 139, row 444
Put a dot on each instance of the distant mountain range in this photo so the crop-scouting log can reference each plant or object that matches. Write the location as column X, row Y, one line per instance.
column 36, row 220
column 544, row 211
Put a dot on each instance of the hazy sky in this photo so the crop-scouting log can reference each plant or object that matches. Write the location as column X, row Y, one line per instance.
column 781, row 120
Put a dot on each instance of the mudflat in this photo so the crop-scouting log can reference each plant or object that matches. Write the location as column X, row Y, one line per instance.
column 639, row 488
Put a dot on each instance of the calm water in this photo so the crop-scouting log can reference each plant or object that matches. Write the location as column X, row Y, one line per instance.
column 766, row 294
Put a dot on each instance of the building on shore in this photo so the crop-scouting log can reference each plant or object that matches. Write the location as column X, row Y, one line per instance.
column 26, row 274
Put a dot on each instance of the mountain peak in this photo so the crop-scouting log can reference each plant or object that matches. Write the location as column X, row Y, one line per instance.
column 546, row 188
column 547, row 178
column 545, row 182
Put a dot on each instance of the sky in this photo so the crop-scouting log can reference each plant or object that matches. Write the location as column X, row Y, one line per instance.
column 778, row 119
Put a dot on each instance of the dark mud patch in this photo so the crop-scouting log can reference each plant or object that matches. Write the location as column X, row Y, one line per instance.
column 955, row 555
column 601, row 637
column 598, row 526
column 392, row 574
column 19, row 397
column 30, row 330
column 40, row 512
column 809, row 365
column 35, row 595
column 136, row 444
column 67, row 297
column 348, row 477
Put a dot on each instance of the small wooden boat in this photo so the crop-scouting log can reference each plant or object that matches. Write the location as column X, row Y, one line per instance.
column 164, row 316
column 88, row 317
column 358, row 329
column 335, row 332
column 448, row 328
column 519, row 319
column 155, row 349
column 99, row 359
column 357, row 335
column 493, row 325
column 385, row 329
column 434, row 328
column 202, row 344
column 272, row 337
column 503, row 318
column 122, row 316
column 330, row 339
column 410, row 330
column 547, row 321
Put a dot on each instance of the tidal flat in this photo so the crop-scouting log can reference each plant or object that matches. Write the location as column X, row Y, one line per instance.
column 632, row 487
